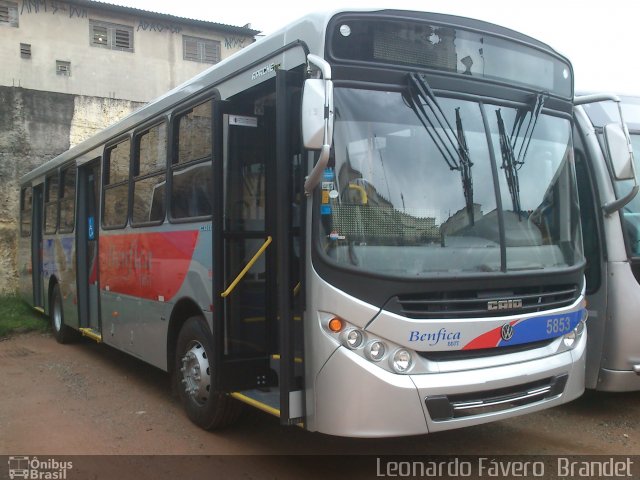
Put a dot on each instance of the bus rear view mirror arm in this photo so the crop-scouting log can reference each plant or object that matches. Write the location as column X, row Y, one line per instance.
column 317, row 119
column 614, row 206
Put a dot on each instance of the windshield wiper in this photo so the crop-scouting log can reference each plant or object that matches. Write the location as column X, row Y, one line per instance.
column 465, row 166
column 508, row 145
column 509, row 164
column 452, row 147
column 536, row 109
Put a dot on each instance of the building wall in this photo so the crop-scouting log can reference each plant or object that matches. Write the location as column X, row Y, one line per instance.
column 58, row 30
column 35, row 126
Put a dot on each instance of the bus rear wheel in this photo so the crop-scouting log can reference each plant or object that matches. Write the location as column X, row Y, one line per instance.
column 62, row 332
column 194, row 379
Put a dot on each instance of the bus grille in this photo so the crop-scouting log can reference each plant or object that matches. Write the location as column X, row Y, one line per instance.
column 474, row 303
column 448, row 407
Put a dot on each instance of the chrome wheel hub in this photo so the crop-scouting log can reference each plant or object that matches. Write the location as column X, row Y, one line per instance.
column 57, row 316
column 196, row 379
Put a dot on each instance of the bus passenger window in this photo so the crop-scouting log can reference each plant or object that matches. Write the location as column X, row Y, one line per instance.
column 25, row 212
column 116, row 185
column 51, row 204
column 68, row 199
column 149, row 176
column 192, row 176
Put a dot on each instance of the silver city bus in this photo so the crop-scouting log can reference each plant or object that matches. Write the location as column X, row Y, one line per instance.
column 610, row 211
column 365, row 223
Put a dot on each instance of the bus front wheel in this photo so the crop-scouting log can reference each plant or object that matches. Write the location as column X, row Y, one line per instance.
column 62, row 332
column 194, row 376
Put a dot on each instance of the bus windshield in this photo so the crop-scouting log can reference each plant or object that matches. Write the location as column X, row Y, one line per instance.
column 395, row 203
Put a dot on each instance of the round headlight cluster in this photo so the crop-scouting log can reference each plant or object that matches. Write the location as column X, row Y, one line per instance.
column 401, row 361
column 398, row 359
column 353, row 338
column 375, row 350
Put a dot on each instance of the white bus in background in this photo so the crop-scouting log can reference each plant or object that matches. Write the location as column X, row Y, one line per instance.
column 610, row 211
column 365, row 223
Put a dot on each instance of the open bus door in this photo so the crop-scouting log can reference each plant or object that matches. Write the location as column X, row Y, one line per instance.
column 258, row 354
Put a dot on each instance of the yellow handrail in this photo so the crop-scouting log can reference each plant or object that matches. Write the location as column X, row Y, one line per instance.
column 247, row 267
column 362, row 191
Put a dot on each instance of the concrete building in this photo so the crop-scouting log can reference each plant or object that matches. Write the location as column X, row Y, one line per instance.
column 70, row 68
column 96, row 49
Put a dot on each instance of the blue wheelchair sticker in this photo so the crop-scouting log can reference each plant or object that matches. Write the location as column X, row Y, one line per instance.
column 91, row 228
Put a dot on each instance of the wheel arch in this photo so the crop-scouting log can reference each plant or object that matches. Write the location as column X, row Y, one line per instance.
column 183, row 309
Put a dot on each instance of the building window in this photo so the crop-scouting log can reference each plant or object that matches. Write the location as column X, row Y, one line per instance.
column 112, row 36
column 8, row 14
column 25, row 50
column 63, row 68
column 200, row 49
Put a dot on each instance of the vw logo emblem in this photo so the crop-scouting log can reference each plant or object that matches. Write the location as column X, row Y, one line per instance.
column 507, row 332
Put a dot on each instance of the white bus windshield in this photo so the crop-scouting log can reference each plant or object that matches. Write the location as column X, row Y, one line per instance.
column 392, row 203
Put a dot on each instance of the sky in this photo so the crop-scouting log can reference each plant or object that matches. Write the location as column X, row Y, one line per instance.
column 600, row 38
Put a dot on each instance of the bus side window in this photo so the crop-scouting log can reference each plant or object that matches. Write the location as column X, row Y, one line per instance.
column 149, row 175
column 51, row 204
column 68, row 199
column 25, row 212
column 116, row 185
column 191, row 170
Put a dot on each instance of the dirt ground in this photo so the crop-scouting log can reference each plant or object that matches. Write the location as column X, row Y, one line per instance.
column 89, row 399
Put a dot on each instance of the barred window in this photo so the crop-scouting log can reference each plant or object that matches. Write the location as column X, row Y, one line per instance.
column 201, row 50
column 110, row 35
column 8, row 14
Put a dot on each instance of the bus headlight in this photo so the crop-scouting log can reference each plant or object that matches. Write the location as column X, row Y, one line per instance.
column 375, row 350
column 401, row 361
column 570, row 338
column 353, row 338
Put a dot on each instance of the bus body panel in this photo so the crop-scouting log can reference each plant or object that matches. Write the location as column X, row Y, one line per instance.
column 144, row 273
column 613, row 348
column 337, row 366
column 383, row 403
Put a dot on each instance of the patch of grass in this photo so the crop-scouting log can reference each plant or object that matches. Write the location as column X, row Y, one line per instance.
column 18, row 317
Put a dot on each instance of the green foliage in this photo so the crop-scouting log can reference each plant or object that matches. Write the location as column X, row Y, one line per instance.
column 18, row 317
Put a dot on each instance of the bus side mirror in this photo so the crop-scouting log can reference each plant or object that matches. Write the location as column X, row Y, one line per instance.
column 313, row 113
column 317, row 119
column 620, row 151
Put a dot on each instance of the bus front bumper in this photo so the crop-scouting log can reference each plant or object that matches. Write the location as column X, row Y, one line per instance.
column 356, row 398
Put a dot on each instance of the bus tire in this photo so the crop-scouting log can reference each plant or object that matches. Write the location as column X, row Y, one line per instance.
column 62, row 332
column 194, row 380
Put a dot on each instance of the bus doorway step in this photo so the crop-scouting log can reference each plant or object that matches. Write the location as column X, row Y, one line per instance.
column 92, row 334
